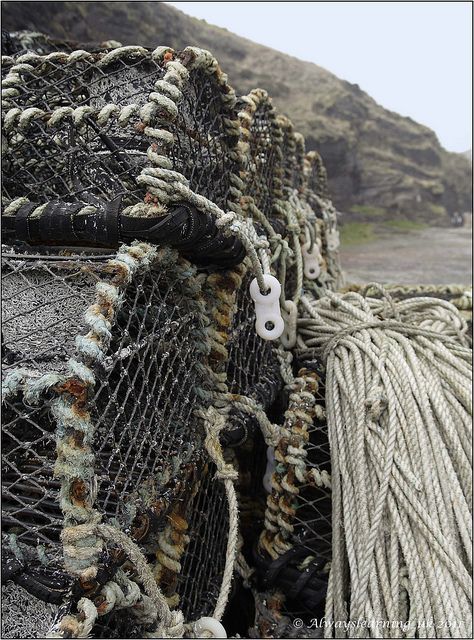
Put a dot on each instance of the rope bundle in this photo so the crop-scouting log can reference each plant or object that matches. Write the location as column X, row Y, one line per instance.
column 399, row 415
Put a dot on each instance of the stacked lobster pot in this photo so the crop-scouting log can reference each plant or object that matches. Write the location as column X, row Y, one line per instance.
column 164, row 447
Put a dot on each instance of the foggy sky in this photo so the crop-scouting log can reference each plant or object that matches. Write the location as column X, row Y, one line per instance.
column 411, row 57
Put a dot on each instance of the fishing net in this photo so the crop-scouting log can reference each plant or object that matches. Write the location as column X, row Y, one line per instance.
column 141, row 199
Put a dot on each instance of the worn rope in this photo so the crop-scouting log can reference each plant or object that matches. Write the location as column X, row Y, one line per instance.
column 214, row 423
column 399, row 413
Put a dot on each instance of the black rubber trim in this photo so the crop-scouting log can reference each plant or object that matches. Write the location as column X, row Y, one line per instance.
column 194, row 233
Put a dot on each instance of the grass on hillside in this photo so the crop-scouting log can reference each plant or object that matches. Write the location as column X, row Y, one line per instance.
column 357, row 233
column 364, row 232
column 401, row 224
column 370, row 213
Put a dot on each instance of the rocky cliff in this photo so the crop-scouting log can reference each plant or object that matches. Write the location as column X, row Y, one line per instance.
column 379, row 163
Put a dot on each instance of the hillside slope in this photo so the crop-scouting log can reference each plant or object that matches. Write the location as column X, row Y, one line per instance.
column 378, row 162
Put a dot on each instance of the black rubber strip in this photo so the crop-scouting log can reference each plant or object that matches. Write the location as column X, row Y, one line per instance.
column 194, row 233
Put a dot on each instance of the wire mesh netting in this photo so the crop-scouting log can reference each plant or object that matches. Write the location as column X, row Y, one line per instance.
column 265, row 169
column 90, row 164
column 43, row 306
column 129, row 448
column 102, row 162
column 146, row 444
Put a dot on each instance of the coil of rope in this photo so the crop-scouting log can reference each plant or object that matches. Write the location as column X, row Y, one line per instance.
column 399, row 418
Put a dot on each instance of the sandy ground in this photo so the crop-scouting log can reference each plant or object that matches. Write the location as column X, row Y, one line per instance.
column 429, row 256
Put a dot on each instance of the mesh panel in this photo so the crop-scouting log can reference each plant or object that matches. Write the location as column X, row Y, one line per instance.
column 43, row 307
column 83, row 164
column 265, row 157
column 42, row 312
column 202, row 145
column 99, row 162
column 146, row 432
column 143, row 407
column 29, row 492
column 201, row 576
column 293, row 156
column 253, row 369
column 313, row 526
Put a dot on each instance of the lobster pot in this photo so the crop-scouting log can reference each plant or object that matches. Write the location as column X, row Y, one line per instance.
column 146, row 450
column 83, row 138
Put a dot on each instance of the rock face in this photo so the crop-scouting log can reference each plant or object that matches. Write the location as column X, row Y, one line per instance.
column 378, row 163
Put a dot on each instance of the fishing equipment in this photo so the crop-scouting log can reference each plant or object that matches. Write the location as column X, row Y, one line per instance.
column 398, row 401
column 127, row 367
column 183, row 382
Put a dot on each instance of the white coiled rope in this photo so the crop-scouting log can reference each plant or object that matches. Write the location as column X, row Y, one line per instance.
column 399, row 418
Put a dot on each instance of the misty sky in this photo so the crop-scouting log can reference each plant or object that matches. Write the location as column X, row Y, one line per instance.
column 411, row 57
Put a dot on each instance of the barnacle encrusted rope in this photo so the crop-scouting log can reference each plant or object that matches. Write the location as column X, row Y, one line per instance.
column 399, row 416
column 151, row 607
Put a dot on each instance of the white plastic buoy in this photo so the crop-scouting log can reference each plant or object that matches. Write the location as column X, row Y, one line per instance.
column 311, row 260
column 210, row 625
column 269, row 323
column 289, row 313
column 333, row 239
column 267, row 484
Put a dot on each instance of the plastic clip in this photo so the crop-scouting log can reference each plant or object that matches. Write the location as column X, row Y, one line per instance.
column 312, row 266
column 269, row 323
column 289, row 313
column 211, row 625
column 333, row 239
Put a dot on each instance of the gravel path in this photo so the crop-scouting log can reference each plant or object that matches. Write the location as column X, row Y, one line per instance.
column 429, row 256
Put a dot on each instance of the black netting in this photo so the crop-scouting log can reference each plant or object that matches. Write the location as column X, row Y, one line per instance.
column 30, row 509
column 146, row 432
column 253, row 368
column 43, row 303
column 313, row 527
column 147, row 439
column 265, row 171
column 44, row 299
column 151, row 475
column 91, row 163
column 96, row 162
column 202, row 143
column 293, row 157
column 203, row 564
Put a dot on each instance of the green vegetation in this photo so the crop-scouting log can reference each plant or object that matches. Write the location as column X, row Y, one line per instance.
column 436, row 211
column 371, row 213
column 357, row 233
column 364, row 232
column 402, row 224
